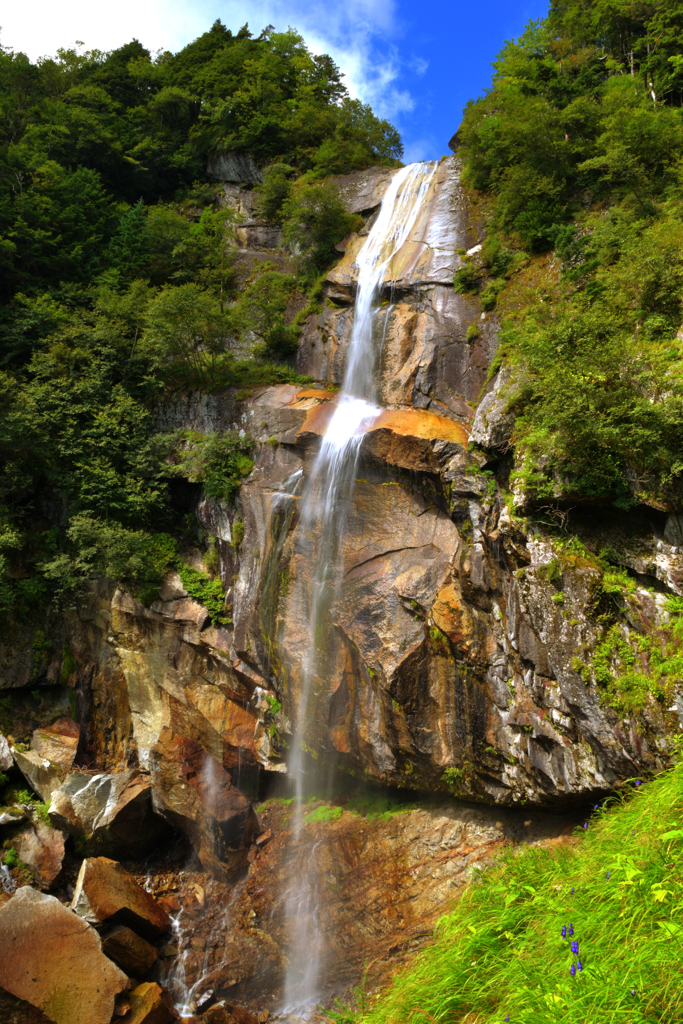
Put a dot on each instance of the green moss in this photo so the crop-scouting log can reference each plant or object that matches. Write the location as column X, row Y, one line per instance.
column 237, row 532
column 323, row 813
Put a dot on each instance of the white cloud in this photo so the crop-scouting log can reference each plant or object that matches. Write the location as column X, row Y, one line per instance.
column 360, row 35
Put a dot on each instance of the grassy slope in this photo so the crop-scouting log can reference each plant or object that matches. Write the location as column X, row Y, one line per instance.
column 500, row 954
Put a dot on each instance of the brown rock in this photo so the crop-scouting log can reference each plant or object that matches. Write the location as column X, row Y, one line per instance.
column 194, row 793
column 105, row 891
column 228, row 1013
column 58, row 742
column 128, row 950
column 41, row 848
column 149, row 1005
column 54, row 961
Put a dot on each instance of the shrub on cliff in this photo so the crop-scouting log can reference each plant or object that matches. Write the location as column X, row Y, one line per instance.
column 315, row 219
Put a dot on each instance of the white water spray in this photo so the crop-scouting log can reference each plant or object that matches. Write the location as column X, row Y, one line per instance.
column 323, row 514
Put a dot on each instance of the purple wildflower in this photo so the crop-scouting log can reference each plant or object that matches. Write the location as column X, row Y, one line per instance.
column 571, row 928
column 585, row 825
column 607, row 875
column 575, row 947
column 572, row 970
column 564, row 931
column 633, row 991
column 579, row 966
column 638, row 782
column 572, row 892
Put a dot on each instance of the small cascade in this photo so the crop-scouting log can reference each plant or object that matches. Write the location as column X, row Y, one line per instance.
column 7, row 881
column 325, row 504
column 190, row 996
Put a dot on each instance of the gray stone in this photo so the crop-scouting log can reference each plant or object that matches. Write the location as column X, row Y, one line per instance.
column 234, row 166
column 6, row 759
column 41, row 775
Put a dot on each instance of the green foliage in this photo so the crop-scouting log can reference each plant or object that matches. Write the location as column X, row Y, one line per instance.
column 499, row 950
column 579, row 143
column 467, row 278
column 207, row 591
column 636, row 669
column 260, row 310
column 315, row 219
column 41, row 810
column 273, row 192
column 11, row 858
column 218, row 461
column 237, row 533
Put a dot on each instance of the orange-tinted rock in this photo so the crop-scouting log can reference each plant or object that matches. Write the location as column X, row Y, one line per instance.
column 194, row 793
column 105, row 891
column 149, row 1005
column 54, row 960
column 129, row 950
column 456, row 619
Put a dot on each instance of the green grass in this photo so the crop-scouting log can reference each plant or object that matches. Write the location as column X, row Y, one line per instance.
column 499, row 955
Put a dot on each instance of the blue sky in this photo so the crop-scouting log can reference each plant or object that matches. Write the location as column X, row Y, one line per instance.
column 415, row 63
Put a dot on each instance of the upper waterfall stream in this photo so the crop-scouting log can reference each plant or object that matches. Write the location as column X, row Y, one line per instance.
column 326, row 500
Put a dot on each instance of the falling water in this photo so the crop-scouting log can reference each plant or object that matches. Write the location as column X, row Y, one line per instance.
column 323, row 515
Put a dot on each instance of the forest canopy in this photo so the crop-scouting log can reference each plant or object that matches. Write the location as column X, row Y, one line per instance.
column 578, row 148
column 120, row 283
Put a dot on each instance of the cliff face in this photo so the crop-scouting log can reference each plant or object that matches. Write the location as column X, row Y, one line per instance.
column 461, row 649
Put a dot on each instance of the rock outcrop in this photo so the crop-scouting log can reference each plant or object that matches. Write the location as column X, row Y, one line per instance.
column 193, row 792
column 53, row 959
column 113, row 810
column 106, row 892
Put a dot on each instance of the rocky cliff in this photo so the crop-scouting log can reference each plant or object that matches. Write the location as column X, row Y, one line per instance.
column 462, row 648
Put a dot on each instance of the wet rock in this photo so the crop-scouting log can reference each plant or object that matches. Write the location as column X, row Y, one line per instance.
column 129, row 950
column 194, row 793
column 115, row 811
column 54, row 960
column 105, row 891
column 41, row 848
column 149, row 1004
column 228, row 1013
column 58, row 742
column 6, row 759
column 42, row 776
column 12, row 815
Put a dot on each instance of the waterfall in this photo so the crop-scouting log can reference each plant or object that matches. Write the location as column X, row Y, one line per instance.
column 325, row 503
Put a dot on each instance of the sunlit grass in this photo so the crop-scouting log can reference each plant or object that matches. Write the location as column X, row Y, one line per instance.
column 500, row 954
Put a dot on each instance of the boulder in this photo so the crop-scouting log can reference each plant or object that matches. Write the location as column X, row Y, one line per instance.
column 115, row 810
column 6, row 759
column 194, row 793
column 105, row 891
column 149, row 1004
column 58, row 742
column 41, row 775
column 128, row 950
column 41, row 848
column 228, row 1013
column 12, row 815
column 54, row 961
